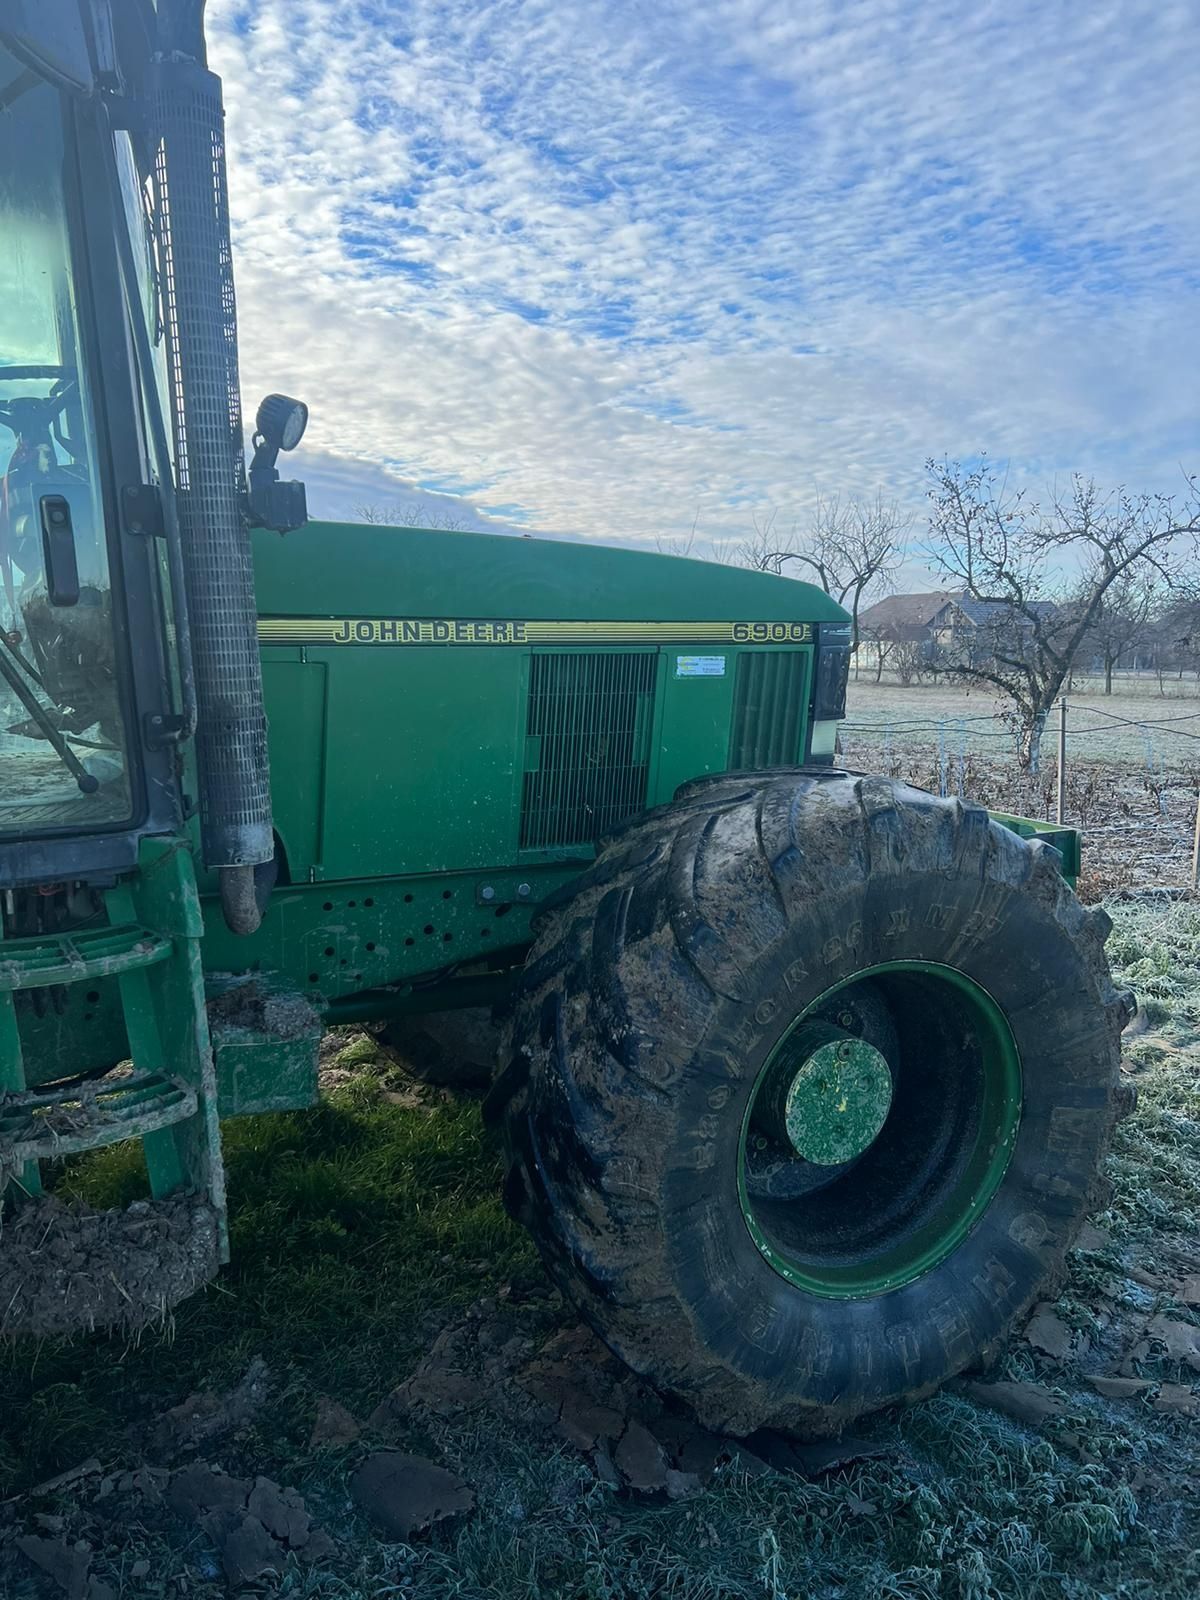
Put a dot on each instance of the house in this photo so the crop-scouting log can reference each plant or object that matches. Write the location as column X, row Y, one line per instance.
column 944, row 625
column 909, row 618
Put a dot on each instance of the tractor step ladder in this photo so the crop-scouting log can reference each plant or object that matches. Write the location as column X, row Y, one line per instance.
column 166, row 1095
column 43, row 1124
column 91, row 953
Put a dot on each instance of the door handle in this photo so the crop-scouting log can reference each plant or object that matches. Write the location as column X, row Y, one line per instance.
column 58, row 548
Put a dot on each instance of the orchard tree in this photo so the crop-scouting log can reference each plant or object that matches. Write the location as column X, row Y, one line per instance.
column 414, row 515
column 1175, row 635
column 1041, row 574
column 850, row 547
column 1125, row 617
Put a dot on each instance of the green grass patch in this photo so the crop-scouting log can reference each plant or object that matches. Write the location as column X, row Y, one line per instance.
column 355, row 1226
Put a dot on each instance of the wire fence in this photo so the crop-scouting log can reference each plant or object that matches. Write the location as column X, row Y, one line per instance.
column 1163, row 750
column 957, row 730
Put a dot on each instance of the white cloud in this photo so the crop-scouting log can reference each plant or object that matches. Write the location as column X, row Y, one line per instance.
column 605, row 267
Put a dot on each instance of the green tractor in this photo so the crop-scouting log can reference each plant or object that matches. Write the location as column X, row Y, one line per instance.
column 805, row 1076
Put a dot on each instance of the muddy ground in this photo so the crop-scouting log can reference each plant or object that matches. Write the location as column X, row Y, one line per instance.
column 383, row 1396
column 515, row 1412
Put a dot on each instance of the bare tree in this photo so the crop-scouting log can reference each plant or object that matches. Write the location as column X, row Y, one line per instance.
column 909, row 660
column 850, row 547
column 678, row 544
column 1174, row 637
column 884, row 644
column 1040, row 575
column 1124, row 614
column 724, row 552
column 765, row 550
column 413, row 515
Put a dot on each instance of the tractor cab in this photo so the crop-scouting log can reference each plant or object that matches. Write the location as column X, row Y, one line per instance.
column 129, row 740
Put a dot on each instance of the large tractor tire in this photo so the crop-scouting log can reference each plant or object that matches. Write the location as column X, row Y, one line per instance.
column 811, row 1079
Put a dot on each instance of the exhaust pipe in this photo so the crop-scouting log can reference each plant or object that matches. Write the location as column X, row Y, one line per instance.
column 201, row 325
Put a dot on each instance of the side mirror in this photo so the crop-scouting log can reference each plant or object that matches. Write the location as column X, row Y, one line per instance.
column 278, row 425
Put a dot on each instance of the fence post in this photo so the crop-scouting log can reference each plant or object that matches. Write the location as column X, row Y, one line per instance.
column 1196, row 846
column 1062, row 759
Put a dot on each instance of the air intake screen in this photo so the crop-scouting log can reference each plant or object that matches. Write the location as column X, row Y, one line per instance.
column 768, row 709
column 587, row 745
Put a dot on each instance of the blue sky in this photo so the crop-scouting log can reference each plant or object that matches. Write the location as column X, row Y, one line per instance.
column 609, row 270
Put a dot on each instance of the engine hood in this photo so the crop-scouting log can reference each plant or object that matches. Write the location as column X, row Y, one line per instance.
column 328, row 569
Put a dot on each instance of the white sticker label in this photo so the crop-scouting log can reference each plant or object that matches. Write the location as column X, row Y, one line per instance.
column 699, row 666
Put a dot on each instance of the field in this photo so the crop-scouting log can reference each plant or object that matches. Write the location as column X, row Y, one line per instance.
column 379, row 1296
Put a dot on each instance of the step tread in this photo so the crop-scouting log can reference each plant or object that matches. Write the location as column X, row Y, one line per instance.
column 44, row 959
column 37, row 1124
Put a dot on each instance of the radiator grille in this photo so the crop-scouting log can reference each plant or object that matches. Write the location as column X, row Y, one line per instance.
column 768, row 708
column 587, row 745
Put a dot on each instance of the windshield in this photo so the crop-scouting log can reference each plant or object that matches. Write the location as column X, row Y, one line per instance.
column 62, row 741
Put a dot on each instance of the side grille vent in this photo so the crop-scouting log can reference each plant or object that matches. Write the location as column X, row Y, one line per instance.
column 768, row 708
column 587, row 745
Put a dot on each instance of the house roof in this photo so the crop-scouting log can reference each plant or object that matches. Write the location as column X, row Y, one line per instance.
column 905, row 610
column 984, row 611
column 911, row 614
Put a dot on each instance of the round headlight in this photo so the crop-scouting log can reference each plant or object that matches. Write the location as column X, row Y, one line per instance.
column 282, row 421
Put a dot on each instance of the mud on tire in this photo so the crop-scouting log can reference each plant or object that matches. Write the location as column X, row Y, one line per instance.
column 653, row 996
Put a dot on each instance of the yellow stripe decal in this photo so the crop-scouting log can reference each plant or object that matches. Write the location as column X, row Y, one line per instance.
column 494, row 630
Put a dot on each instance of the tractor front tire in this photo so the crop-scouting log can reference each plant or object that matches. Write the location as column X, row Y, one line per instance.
column 810, row 1082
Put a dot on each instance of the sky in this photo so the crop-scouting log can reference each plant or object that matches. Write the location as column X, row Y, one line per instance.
column 620, row 270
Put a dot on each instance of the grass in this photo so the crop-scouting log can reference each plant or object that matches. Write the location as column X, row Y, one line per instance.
column 353, row 1225
column 362, row 1226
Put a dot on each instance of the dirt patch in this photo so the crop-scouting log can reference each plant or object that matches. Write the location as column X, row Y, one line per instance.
column 1048, row 1333
column 405, row 1494
column 209, row 1415
column 334, row 1428
column 571, row 1390
column 252, row 1005
column 251, row 1525
column 65, row 1266
column 66, row 1564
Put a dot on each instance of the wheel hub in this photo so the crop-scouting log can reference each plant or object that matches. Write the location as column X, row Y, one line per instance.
column 826, row 1097
column 837, row 1101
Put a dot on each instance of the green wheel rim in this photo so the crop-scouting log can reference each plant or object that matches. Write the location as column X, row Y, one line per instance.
column 826, row 1098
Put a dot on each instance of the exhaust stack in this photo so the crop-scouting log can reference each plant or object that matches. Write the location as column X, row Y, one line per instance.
column 198, row 294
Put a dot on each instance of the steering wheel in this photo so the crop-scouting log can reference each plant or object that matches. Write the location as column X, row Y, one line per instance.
column 32, row 417
column 47, row 406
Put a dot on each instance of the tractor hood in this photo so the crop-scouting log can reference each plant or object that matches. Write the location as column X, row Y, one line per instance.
column 334, row 569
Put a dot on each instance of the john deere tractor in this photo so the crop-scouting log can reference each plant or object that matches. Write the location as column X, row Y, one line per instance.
column 806, row 1075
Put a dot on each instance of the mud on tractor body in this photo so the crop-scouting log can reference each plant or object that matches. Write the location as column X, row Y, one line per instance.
column 805, row 1076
